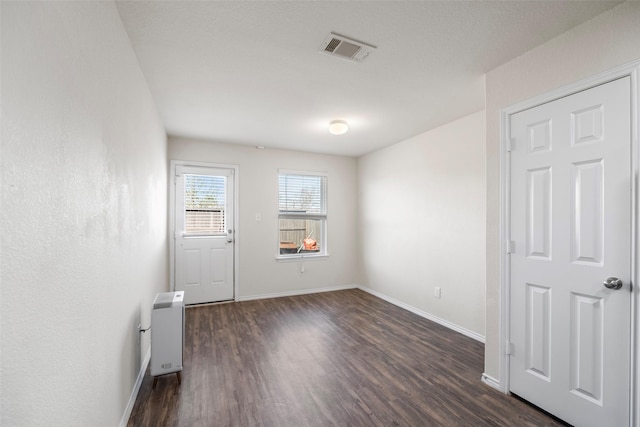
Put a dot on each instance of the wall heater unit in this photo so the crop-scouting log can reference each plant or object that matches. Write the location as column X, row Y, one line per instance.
column 167, row 334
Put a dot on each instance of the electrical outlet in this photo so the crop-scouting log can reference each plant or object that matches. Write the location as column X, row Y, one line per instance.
column 437, row 292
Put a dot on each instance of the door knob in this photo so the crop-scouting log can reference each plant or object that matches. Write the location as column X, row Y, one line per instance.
column 229, row 240
column 613, row 283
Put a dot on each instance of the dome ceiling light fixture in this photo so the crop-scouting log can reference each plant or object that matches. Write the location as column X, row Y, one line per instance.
column 338, row 127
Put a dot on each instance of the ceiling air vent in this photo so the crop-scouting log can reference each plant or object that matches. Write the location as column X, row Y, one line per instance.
column 346, row 48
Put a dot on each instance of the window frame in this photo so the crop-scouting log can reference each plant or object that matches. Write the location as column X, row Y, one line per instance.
column 323, row 218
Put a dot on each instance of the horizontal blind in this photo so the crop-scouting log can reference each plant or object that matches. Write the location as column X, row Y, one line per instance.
column 204, row 204
column 302, row 195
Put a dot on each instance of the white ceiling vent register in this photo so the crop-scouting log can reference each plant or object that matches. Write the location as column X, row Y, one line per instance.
column 346, row 48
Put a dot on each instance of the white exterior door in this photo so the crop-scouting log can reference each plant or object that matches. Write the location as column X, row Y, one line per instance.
column 571, row 230
column 204, row 233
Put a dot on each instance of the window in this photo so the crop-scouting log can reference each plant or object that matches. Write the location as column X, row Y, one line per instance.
column 204, row 204
column 302, row 214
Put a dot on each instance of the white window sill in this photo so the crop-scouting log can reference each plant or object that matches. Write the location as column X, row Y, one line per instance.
column 298, row 258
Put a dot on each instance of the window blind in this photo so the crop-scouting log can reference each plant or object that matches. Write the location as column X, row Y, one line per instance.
column 302, row 195
column 204, row 204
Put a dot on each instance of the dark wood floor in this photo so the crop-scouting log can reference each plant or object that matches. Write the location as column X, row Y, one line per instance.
column 338, row 358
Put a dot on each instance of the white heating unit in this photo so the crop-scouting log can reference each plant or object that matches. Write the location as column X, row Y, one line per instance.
column 167, row 334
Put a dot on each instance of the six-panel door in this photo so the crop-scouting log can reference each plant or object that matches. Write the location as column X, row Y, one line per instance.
column 570, row 219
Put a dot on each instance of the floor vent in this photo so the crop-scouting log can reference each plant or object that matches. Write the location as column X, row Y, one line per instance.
column 346, row 48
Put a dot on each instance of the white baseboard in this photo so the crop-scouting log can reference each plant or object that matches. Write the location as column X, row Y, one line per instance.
column 426, row 315
column 136, row 388
column 492, row 382
column 296, row 292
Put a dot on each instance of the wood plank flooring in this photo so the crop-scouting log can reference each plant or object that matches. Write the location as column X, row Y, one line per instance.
column 341, row 358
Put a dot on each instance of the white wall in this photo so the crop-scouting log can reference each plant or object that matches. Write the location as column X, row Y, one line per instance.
column 83, row 226
column 606, row 41
column 260, row 273
column 421, row 221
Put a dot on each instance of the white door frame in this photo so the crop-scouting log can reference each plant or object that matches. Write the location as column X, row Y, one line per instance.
column 172, row 220
column 633, row 71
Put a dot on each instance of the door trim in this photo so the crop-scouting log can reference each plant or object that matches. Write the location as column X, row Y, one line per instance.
column 172, row 220
column 631, row 70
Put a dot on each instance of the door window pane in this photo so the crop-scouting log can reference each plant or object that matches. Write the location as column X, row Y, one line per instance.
column 204, row 204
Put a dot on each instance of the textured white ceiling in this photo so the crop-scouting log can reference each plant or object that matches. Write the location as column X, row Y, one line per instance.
column 249, row 72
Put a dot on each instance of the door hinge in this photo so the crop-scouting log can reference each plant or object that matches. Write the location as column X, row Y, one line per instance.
column 508, row 348
column 511, row 143
column 511, row 246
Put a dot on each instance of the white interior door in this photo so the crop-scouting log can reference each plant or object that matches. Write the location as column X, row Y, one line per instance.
column 204, row 233
column 571, row 230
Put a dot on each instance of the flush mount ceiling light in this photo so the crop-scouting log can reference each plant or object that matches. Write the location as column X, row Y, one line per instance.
column 338, row 127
